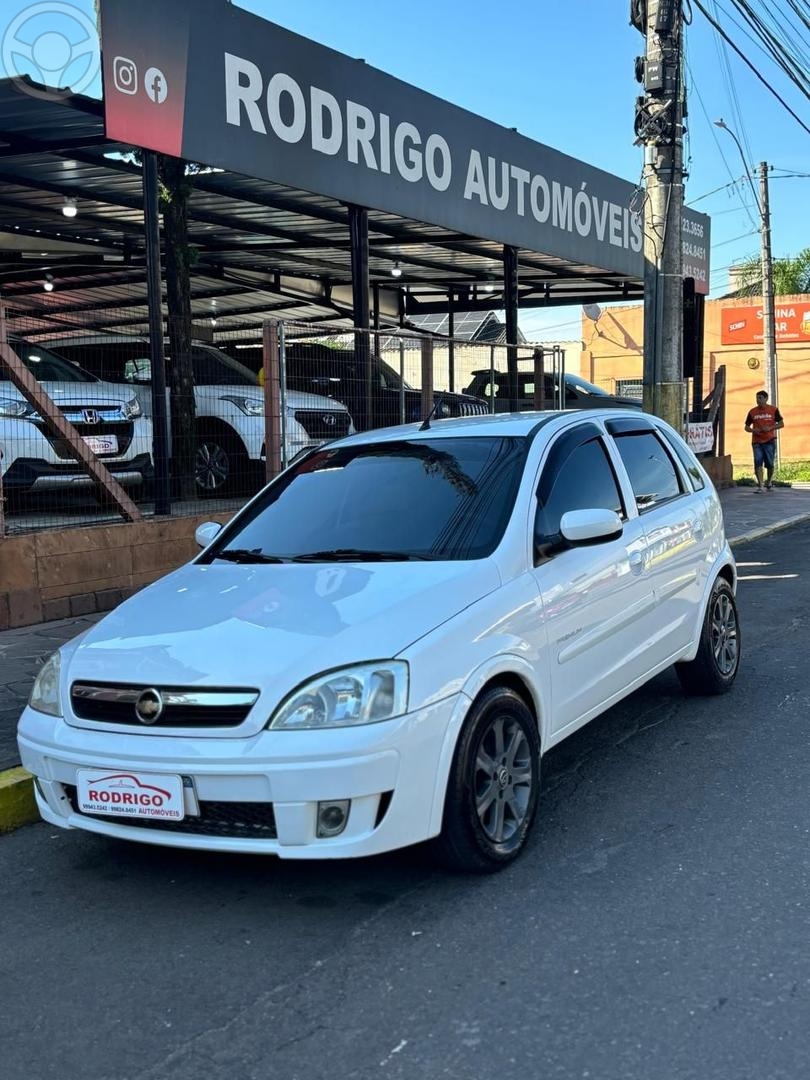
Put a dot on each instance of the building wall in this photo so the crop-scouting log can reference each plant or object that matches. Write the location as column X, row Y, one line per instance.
column 613, row 347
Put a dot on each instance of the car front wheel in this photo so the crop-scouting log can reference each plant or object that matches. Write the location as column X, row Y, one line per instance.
column 493, row 786
column 219, row 466
column 717, row 661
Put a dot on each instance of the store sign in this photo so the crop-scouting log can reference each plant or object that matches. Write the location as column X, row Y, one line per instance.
column 220, row 86
column 743, row 325
column 700, row 437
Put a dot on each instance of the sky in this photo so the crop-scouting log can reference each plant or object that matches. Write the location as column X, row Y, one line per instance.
column 560, row 72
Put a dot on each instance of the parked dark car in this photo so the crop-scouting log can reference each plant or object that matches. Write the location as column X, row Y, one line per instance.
column 579, row 393
column 340, row 374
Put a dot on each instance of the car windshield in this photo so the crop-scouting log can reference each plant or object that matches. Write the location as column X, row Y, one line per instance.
column 443, row 498
column 46, row 366
column 212, row 368
column 585, row 387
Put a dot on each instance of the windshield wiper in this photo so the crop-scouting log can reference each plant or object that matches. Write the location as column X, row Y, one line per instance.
column 245, row 555
column 358, row 555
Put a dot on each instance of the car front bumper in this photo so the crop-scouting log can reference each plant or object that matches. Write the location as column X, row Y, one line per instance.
column 394, row 773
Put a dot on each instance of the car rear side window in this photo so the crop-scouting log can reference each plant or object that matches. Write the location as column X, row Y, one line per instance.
column 584, row 480
column 686, row 458
column 652, row 473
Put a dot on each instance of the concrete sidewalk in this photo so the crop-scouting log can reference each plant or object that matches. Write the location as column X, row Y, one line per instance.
column 22, row 652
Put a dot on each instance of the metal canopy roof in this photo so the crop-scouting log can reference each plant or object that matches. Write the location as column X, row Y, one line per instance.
column 263, row 249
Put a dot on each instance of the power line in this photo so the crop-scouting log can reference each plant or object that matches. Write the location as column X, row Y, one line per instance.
column 745, row 59
column 734, row 101
column 716, row 140
column 777, row 46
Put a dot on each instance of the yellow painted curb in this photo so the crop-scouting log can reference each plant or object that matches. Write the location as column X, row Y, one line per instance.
column 17, row 805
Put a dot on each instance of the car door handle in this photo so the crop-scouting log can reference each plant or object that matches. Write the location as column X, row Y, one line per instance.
column 636, row 560
column 697, row 529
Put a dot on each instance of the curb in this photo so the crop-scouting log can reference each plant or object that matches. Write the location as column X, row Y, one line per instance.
column 17, row 804
column 766, row 530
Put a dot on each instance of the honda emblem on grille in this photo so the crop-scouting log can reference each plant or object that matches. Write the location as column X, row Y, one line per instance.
column 329, row 419
column 90, row 416
column 149, row 706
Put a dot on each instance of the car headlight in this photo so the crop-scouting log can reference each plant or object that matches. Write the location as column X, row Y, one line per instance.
column 45, row 693
column 365, row 694
column 250, row 406
column 17, row 409
column 444, row 409
column 132, row 409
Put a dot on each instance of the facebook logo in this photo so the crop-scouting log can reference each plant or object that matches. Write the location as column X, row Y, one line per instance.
column 155, row 85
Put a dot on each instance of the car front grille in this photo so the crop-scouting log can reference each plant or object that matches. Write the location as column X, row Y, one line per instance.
column 472, row 408
column 108, row 703
column 324, row 423
column 240, row 821
column 123, row 432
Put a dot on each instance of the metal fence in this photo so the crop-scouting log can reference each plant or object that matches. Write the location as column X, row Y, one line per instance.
column 78, row 431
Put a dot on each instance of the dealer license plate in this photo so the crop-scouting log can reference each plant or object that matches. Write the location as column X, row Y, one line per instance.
column 102, row 444
column 125, row 794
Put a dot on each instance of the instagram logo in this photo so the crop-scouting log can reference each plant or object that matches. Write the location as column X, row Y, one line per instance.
column 125, row 75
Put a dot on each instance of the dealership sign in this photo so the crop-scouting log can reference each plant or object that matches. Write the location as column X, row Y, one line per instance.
column 220, row 86
column 743, row 325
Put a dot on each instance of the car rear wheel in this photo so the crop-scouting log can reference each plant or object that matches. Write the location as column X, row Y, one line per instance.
column 715, row 666
column 493, row 786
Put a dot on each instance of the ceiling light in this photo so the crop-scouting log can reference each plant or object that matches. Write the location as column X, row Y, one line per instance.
column 396, row 270
column 47, row 284
column 70, row 208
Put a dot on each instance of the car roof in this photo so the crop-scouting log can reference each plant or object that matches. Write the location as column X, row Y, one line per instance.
column 519, row 424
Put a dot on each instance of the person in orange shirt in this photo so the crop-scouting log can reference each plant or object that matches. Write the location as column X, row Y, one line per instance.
column 763, row 421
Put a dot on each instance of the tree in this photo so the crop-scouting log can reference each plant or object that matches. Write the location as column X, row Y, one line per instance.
column 791, row 275
column 175, row 187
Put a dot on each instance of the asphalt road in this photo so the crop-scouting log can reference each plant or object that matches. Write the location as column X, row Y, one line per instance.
column 657, row 929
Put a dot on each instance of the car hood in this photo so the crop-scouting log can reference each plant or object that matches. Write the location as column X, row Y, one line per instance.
column 273, row 627
column 65, row 394
column 294, row 399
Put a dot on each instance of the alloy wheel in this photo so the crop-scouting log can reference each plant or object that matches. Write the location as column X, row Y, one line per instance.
column 724, row 634
column 503, row 778
column 212, row 467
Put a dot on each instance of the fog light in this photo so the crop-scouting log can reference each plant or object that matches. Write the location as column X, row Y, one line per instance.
column 332, row 817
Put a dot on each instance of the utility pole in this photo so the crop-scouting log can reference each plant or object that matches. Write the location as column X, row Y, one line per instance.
column 659, row 128
column 768, row 320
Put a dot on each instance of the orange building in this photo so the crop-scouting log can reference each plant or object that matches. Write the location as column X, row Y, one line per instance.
column 612, row 347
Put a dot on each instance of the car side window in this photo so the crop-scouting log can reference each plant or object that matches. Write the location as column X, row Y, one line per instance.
column 652, row 473
column 582, row 479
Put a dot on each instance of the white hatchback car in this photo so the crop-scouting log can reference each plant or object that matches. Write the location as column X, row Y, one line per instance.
column 380, row 646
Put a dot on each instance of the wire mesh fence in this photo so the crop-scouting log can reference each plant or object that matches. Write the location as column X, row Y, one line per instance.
column 241, row 404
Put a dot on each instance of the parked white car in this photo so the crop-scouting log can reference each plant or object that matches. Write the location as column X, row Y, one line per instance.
column 108, row 417
column 380, row 646
column 229, row 405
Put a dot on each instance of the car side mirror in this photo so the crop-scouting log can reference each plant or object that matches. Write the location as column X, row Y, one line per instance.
column 588, row 526
column 206, row 532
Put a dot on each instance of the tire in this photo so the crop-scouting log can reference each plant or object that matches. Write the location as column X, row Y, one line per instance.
column 487, row 814
column 715, row 666
column 219, row 465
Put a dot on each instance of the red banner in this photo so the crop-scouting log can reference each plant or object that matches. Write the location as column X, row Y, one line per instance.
column 743, row 325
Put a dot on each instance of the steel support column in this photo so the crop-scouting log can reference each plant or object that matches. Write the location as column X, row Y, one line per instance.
column 510, row 299
column 160, row 422
column 358, row 234
column 451, row 347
